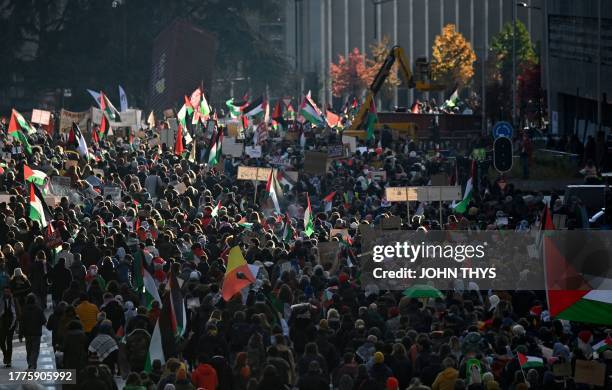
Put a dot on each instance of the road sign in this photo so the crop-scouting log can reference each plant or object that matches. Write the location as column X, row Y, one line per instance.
column 502, row 154
column 502, row 129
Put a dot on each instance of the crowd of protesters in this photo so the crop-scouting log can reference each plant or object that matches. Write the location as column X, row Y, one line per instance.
column 302, row 325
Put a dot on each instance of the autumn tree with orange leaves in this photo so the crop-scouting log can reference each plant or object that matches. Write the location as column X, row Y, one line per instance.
column 452, row 58
column 349, row 75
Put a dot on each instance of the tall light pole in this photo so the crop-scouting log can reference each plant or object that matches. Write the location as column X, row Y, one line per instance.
column 520, row 4
column 514, row 124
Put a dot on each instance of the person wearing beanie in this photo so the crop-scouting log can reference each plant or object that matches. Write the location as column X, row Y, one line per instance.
column 182, row 382
column 447, row 378
column 204, row 375
column 379, row 371
column 392, row 383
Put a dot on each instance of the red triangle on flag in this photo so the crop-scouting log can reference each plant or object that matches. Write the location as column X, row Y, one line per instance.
column 178, row 145
column 27, row 172
column 13, row 125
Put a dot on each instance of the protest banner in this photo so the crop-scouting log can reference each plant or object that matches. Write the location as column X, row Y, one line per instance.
column 52, row 200
column 253, row 173
column 423, row 194
column 5, row 198
column 41, row 117
column 253, row 151
column 315, row 163
column 112, row 191
column 590, row 372
column 61, row 181
column 67, row 117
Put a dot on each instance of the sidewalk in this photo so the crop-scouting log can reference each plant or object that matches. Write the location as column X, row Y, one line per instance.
column 46, row 358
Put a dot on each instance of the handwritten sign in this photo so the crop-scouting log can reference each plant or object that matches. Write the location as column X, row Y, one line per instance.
column 350, row 143
column 60, row 181
column 113, row 192
column 379, row 176
column 67, row 117
column 335, row 151
column 231, row 147
column 342, row 232
column 328, row 254
column 253, row 151
column 41, row 117
column 253, row 173
column 590, row 372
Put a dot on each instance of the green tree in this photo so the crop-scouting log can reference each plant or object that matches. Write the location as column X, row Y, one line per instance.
column 501, row 48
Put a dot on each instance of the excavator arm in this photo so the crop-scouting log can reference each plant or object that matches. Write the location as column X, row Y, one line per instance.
column 395, row 54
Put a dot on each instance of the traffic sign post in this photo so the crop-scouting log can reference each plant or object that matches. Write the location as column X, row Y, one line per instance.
column 502, row 129
column 502, row 154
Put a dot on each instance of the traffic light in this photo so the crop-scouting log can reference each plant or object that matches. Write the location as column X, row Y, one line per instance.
column 502, row 154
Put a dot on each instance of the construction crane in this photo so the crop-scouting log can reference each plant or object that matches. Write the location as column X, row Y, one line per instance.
column 422, row 83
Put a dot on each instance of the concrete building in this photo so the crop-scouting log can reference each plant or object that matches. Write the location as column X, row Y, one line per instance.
column 580, row 66
column 319, row 30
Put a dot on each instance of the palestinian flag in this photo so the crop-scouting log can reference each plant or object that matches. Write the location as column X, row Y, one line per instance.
column 462, row 206
column 37, row 209
column 237, row 274
column 311, row 112
column 371, row 120
column 168, row 325
column 603, row 345
column 79, row 139
column 178, row 144
column 287, row 231
column 18, row 122
column 186, row 110
column 308, row 219
column 105, row 123
column 16, row 131
column 529, row 361
column 328, row 201
column 277, row 115
column 214, row 153
column 547, row 223
column 204, row 110
column 332, row 119
column 235, row 108
column 34, row 176
column 143, row 281
column 274, row 190
column 255, row 108
column 107, row 107
column 580, row 302
column 215, row 210
column 156, row 351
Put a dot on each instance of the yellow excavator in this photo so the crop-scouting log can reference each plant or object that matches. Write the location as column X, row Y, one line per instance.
column 423, row 82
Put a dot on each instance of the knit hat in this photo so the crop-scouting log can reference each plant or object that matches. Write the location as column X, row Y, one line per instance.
column 379, row 357
column 392, row 383
column 359, row 324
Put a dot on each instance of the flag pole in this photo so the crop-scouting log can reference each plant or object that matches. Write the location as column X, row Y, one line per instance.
column 255, row 197
column 522, row 371
column 408, row 208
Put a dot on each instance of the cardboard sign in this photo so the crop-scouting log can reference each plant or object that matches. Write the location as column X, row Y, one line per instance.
column 562, row 369
column 5, row 198
column 67, row 117
column 590, row 372
column 391, row 223
column 350, row 143
column 335, row 151
column 60, row 181
column 114, row 192
column 315, row 163
column 41, row 117
column 98, row 172
column 342, row 232
column 52, row 200
column 253, row 173
column 328, row 254
column 253, row 151
column 423, row 194
column 379, row 176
